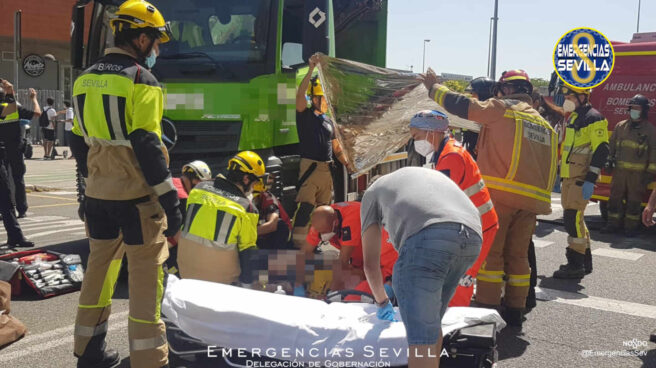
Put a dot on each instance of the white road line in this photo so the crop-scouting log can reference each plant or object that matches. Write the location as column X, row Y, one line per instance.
column 37, row 235
column 37, row 227
column 56, row 338
column 541, row 243
column 41, row 219
column 79, row 233
column 608, row 305
column 62, row 193
column 616, row 253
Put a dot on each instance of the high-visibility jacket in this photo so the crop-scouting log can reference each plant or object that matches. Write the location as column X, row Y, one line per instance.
column 517, row 148
column 11, row 118
column 454, row 161
column 117, row 133
column 219, row 216
column 633, row 146
column 585, row 148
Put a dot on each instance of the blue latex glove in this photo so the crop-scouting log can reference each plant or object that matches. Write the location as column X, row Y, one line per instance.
column 389, row 290
column 588, row 188
column 299, row 291
column 386, row 313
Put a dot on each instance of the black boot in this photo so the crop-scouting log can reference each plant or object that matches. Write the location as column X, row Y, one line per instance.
column 652, row 337
column 20, row 244
column 530, row 300
column 513, row 316
column 587, row 261
column 96, row 354
column 574, row 267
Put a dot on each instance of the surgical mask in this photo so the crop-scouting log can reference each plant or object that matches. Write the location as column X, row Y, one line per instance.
column 151, row 59
column 423, row 147
column 327, row 236
column 635, row 115
column 569, row 106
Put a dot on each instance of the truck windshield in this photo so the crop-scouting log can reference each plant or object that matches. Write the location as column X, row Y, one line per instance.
column 215, row 39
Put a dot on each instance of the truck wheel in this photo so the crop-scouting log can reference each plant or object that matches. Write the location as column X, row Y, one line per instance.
column 603, row 208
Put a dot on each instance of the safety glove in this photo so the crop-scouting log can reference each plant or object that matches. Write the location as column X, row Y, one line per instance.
column 587, row 190
column 386, row 312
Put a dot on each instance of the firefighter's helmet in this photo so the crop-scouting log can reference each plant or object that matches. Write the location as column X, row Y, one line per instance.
column 140, row 14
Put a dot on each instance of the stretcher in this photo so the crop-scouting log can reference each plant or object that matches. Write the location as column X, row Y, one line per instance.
column 223, row 322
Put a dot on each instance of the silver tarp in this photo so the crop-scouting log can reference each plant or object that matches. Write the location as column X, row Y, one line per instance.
column 372, row 108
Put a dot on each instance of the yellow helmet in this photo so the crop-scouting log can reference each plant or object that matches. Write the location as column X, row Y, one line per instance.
column 315, row 89
column 259, row 187
column 140, row 14
column 567, row 90
column 247, row 162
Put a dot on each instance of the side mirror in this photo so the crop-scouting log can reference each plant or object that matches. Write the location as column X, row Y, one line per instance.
column 77, row 36
column 292, row 55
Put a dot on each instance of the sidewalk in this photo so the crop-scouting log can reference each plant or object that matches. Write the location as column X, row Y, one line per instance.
column 50, row 175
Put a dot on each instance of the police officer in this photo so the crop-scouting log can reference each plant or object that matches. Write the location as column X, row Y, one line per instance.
column 131, row 204
column 633, row 155
column 11, row 134
column 219, row 234
column 584, row 153
column 15, row 238
column 317, row 139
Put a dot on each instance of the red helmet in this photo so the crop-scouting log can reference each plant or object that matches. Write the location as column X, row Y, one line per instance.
column 518, row 78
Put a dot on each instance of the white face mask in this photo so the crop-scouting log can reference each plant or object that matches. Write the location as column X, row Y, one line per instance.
column 327, row 236
column 569, row 106
column 423, row 147
column 635, row 115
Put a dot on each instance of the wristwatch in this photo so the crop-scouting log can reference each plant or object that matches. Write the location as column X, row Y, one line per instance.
column 383, row 303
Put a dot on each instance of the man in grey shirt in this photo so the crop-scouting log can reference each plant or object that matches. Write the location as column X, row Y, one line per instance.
column 437, row 231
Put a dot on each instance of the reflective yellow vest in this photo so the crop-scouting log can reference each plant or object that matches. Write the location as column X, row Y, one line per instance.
column 580, row 144
column 13, row 117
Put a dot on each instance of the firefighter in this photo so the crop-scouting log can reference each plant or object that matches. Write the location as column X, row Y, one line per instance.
column 633, row 156
column 220, row 230
column 274, row 225
column 429, row 130
column 481, row 89
column 584, row 153
column 317, row 144
column 517, row 152
column 131, row 204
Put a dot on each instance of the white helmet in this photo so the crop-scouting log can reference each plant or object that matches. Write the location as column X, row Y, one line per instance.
column 199, row 169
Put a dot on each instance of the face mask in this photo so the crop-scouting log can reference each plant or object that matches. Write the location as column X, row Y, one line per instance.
column 423, row 147
column 569, row 106
column 151, row 59
column 635, row 115
column 327, row 236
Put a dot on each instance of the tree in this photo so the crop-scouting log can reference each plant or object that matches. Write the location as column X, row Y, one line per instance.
column 456, row 85
column 539, row 82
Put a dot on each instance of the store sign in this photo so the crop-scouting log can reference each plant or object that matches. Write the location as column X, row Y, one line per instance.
column 34, row 65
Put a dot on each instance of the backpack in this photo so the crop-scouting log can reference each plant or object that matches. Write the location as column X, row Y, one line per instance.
column 44, row 122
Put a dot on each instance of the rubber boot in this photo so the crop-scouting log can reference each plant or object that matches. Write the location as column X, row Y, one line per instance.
column 587, row 261
column 513, row 316
column 96, row 355
column 574, row 267
column 652, row 337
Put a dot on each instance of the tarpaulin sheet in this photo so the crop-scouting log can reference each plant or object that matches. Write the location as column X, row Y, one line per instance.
column 235, row 318
column 372, row 108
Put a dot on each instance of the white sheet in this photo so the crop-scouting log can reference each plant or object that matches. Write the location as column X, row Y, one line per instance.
column 292, row 328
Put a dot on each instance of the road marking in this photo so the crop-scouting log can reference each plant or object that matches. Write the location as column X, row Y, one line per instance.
column 62, row 193
column 79, row 233
column 541, row 243
column 59, row 198
column 608, row 305
column 55, row 205
column 50, row 225
column 42, row 218
column 55, row 338
column 615, row 253
column 32, row 236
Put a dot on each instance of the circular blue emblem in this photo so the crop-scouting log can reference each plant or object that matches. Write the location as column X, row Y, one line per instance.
column 583, row 58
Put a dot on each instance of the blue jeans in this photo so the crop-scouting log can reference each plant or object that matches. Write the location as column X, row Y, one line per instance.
column 430, row 265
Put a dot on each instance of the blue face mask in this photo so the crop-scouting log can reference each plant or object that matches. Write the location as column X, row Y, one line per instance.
column 151, row 59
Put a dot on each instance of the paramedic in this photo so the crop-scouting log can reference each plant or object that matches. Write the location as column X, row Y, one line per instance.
column 131, row 204
column 633, row 155
column 438, row 238
column 317, row 143
column 429, row 130
column 220, row 230
column 517, row 153
column 584, row 153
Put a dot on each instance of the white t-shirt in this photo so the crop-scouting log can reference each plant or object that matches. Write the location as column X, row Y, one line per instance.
column 69, row 116
column 52, row 116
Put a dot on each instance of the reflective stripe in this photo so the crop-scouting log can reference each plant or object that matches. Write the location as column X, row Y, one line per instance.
column 595, row 170
column 630, row 166
column 485, row 207
column 475, row 188
column 633, row 217
column 490, row 276
column 78, row 105
column 613, row 215
column 651, row 167
column 106, row 142
column 440, row 92
column 519, row 280
column 115, row 117
column 225, row 227
column 517, row 188
column 579, row 231
column 90, row 331
column 517, row 144
column 631, row 144
column 207, row 242
column 164, row 187
column 147, row 344
column 572, row 240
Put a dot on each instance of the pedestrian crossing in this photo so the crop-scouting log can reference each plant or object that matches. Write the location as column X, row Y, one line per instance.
column 41, row 228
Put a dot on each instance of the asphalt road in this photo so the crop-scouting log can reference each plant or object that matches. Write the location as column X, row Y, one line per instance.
column 594, row 323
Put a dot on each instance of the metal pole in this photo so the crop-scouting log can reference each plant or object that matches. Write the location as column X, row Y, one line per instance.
column 423, row 65
column 638, row 26
column 17, row 47
column 489, row 49
column 493, row 63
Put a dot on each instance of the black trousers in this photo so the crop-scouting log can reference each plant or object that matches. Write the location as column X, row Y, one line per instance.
column 14, row 233
column 10, row 134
